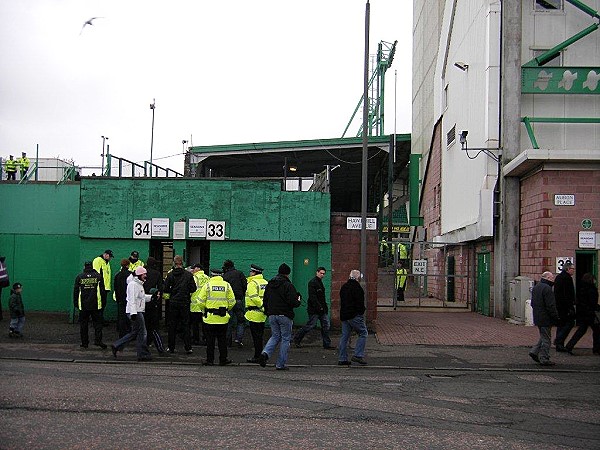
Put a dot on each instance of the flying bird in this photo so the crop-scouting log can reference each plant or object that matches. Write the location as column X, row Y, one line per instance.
column 89, row 22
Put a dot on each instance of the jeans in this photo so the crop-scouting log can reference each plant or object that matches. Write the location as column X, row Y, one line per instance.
column 138, row 332
column 281, row 331
column 562, row 332
column 311, row 324
column 542, row 348
column 17, row 324
column 257, row 329
column 357, row 324
column 216, row 332
column 84, row 319
column 237, row 323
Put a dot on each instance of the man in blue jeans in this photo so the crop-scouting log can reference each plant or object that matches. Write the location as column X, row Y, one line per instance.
column 352, row 315
column 281, row 297
column 317, row 310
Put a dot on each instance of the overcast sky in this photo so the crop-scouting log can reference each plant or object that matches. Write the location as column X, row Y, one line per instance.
column 222, row 72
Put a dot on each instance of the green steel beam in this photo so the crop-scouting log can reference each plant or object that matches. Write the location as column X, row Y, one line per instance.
column 585, row 8
column 529, row 120
column 414, row 182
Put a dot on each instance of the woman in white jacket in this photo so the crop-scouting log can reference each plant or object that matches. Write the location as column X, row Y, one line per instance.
column 136, row 306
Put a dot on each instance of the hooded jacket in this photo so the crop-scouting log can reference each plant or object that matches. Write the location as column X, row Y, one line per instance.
column 180, row 285
column 281, row 297
column 15, row 304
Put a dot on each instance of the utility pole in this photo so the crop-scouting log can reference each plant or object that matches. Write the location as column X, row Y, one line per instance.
column 152, row 106
column 104, row 139
column 365, row 154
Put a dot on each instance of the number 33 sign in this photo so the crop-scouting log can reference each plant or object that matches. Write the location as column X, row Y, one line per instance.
column 215, row 231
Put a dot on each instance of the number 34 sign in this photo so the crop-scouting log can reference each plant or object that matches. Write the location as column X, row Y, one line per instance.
column 142, row 229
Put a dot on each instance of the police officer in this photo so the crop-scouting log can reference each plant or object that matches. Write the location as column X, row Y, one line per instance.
column 400, row 281
column 135, row 261
column 216, row 299
column 101, row 265
column 23, row 163
column 11, row 168
column 87, row 298
column 195, row 311
column 255, row 312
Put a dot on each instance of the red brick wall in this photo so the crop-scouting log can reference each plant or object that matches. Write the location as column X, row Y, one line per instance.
column 345, row 256
column 548, row 231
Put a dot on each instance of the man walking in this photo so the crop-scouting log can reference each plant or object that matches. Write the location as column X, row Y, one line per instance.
column 564, row 293
column 179, row 286
column 317, row 310
column 545, row 315
column 120, row 296
column 216, row 299
column 352, row 310
column 87, row 297
column 255, row 312
column 281, row 297
column 238, row 282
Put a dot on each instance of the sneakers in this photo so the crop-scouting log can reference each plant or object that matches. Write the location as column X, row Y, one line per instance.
column 359, row 360
column 534, row 357
column 170, row 350
column 102, row 345
column 189, row 351
column 239, row 344
column 253, row 360
column 263, row 359
column 344, row 363
column 282, row 368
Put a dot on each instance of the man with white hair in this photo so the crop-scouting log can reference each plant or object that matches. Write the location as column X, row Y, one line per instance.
column 545, row 315
column 352, row 310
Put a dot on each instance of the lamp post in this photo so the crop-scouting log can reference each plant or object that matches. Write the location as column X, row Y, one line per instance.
column 104, row 139
column 152, row 106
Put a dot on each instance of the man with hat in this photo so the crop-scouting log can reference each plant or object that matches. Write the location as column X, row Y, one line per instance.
column 135, row 261
column 216, row 299
column 17, row 312
column 255, row 312
column 87, row 297
column 11, row 168
column 101, row 264
column 23, row 163
column 280, row 299
column 238, row 282
column 564, row 293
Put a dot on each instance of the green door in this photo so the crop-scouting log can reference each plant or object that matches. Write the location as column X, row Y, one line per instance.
column 305, row 267
column 483, row 283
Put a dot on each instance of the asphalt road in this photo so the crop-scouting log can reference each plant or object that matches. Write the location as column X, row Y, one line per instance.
column 124, row 404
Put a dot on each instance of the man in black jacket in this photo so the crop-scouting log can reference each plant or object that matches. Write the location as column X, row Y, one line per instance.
column 564, row 293
column 281, row 297
column 544, row 316
column 87, row 297
column 179, row 286
column 237, row 322
column 352, row 310
column 154, row 286
column 317, row 310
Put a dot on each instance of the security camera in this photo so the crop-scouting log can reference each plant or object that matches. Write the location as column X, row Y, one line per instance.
column 463, row 137
column 461, row 65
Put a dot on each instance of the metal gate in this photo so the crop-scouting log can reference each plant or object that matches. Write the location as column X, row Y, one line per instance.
column 434, row 274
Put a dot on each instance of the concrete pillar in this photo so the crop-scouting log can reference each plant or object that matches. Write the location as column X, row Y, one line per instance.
column 506, row 264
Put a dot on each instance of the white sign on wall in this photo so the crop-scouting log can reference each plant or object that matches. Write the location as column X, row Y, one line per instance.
column 419, row 267
column 215, row 230
column 178, row 230
column 141, row 229
column 587, row 239
column 355, row 223
column 560, row 262
column 160, row 227
column 197, row 228
column 564, row 199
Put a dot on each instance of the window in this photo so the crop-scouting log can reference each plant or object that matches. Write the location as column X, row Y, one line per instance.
column 451, row 136
column 548, row 5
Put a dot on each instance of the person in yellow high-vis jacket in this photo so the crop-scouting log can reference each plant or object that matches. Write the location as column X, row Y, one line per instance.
column 195, row 311
column 216, row 299
column 400, row 282
column 11, row 168
column 255, row 311
column 23, row 163
column 101, row 265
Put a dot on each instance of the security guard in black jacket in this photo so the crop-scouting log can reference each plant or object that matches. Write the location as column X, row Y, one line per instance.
column 87, row 298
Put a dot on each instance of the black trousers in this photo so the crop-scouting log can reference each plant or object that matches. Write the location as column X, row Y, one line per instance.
column 179, row 318
column 84, row 319
column 218, row 333
column 196, row 323
column 103, row 297
column 257, row 329
column 400, row 294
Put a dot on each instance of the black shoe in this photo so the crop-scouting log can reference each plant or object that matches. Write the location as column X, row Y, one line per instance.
column 534, row 357
column 171, row 350
column 282, row 368
column 225, row 363
column 569, row 350
column 330, row 347
column 208, row 363
column 361, row 361
column 83, row 346
column 548, row 363
column 263, row 359
column 253, row 360
column 239, row 344
column 189, row 351
column 114, row 351
column 561, row 348
column 102, row 345
column 596, row 352
column 145, row 358
column 344, row 363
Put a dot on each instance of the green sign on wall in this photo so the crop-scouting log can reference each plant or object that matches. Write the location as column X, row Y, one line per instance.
column 560, row 80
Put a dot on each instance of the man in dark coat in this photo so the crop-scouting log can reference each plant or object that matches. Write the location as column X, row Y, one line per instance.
column 564, row 293
column 352, row 310
column 154, row 286
column 179, row 286
column 317, row 311
column 545, row 315
column 587, row 306
column 87, row 297
column 237, row 322
column 120, row 293
column 281, row 297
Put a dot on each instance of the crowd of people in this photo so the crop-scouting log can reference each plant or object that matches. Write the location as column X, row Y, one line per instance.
column 212, row 310
column 12, row 165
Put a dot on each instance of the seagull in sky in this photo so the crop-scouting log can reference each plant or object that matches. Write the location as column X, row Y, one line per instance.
column 89, row 22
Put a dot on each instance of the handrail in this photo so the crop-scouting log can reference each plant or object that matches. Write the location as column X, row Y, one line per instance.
column 529, row 120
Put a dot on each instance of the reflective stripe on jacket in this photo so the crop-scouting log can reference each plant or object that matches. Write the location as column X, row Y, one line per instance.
column 254, row 299
column 215, row 294
column 401, row 278
column 103, row 268
column 201, row 279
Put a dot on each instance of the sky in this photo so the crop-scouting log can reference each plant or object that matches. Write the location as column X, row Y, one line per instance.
column 221, row 72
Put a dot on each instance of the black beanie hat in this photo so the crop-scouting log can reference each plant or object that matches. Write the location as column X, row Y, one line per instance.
column 284, row 269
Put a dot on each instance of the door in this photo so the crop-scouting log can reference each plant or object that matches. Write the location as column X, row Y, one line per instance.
column 483, row 283
column 305, row 267
column 586, row 261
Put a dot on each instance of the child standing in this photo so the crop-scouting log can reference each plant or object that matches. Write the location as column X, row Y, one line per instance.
column 17, row 312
